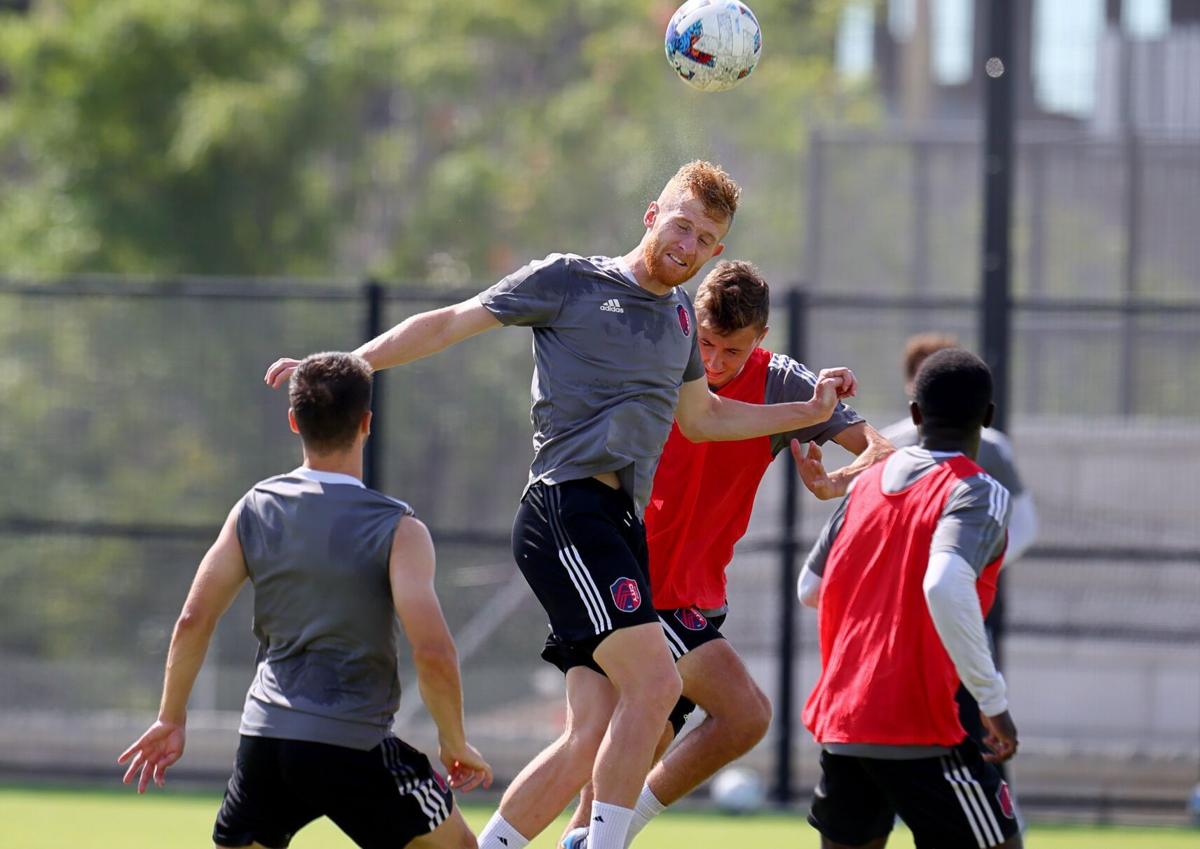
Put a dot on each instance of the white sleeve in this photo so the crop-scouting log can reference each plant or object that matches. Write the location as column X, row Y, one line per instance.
column 954, row 606
column 808, row 588
column 1022, row 526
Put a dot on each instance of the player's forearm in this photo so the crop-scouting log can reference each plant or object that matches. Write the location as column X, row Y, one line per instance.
column 416, row 337
column 189, row 645
column 440, row 683
column 953, row 602
column 878, row 448
column 725, row 419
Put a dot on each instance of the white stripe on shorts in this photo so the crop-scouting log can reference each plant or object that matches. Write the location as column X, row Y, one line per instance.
column 968, row 802
column 990, row 824
column 569, row 556
column 674, row 642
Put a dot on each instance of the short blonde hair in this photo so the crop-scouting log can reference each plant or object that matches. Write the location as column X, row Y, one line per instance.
column 710, row 184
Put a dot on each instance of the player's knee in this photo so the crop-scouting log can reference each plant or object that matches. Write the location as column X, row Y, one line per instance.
column 654, row 695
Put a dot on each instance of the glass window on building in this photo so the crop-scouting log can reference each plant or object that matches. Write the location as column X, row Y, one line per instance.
column 953, row 40
column 1066, row 43
column 855, row 48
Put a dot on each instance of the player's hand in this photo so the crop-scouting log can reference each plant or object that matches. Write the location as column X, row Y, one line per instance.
column 813, row 473
column 1001, row 737
column 825, row 396
column 466, row 767
column 152, row 753
column 280, row 371
column 847, row 383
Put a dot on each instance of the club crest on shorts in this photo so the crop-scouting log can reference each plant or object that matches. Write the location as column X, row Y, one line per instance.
column 685, row 320
column 1004, row 798
column 626, row 595
column 691, row 618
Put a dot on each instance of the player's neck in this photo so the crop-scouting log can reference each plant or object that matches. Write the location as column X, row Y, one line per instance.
column 938, row 439
column 636, row 260
column 339, row 463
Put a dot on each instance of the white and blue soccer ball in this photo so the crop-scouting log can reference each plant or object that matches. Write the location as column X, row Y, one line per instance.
column 738, row 790
column 713, row 44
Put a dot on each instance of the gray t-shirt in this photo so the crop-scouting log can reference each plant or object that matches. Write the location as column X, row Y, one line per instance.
column 995, row 452
column 973, row 525
column 788, row 381
column 608, row 360
column 317, row 547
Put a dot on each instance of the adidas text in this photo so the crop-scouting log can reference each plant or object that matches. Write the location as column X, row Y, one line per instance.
column 612, row 305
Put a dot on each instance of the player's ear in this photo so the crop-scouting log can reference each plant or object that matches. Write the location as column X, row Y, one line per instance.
column 990, row 415
column 651, row 214
column 720, row 249
column 292, row 421
column 766, row 329
column 915, row 412
column 364, row 427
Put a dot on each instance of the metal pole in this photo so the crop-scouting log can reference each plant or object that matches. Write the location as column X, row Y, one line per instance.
column 998, row 167
column 797, row 310
column 373, row 455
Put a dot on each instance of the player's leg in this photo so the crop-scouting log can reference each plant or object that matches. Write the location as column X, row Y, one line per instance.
column 849, row 807
column 957, row 800
column 546, row 785
column 738, row 715
column 453, row 833
column 579, row 819
column 641, row 668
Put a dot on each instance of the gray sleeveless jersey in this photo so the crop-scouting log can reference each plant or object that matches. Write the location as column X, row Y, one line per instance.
column 317, row 547
column 608, row 360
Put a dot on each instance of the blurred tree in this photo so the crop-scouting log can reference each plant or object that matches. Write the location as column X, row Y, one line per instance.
column 417, row 139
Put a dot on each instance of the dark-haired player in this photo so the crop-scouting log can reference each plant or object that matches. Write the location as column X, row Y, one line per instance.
column 699, row 509
column 901, row 576
column 333, row 564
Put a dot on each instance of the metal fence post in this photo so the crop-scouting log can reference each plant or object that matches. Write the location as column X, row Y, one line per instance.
column 797, row 310
column 996, row 302
column 373, row 292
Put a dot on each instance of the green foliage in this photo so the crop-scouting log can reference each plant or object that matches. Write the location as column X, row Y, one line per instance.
column 413, row 138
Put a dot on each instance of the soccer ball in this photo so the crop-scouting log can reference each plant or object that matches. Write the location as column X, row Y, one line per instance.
column 713, row 44
column 738, row 790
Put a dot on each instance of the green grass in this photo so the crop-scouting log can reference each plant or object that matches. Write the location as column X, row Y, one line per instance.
column 57, row 819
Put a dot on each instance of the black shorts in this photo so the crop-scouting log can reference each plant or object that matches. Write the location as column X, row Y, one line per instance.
column 381, row 798
column 582, row 549
column 685, row 628
column 954, row 801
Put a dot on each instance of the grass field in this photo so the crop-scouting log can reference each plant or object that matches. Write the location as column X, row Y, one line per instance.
column 58, row 819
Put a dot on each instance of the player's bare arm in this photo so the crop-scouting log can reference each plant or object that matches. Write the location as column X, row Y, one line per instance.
column 860, row 439
column 417, row 336
column 411, row 572
column 218, row 579
column 705, row 417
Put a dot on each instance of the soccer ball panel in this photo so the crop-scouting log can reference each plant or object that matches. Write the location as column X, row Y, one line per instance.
column 713, row 44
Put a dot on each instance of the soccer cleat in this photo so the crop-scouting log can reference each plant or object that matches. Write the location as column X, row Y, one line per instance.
column 576, row 838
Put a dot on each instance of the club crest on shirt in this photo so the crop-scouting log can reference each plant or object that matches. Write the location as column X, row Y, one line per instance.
column 626, row 595
column 685, row 320
column 691, row 618
column 1004, row 797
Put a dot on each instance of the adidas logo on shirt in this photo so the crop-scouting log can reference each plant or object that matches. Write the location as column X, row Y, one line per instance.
column 612, row 305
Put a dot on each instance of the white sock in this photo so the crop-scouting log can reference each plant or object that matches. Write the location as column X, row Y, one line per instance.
column 647, row 808
column 498, row 834
column 608, row 826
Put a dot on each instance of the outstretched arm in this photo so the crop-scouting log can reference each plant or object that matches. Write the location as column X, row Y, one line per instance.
column 417, row 336
column 860, row 439
column 411, row 572
column 221, row 574
column 705, row 417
